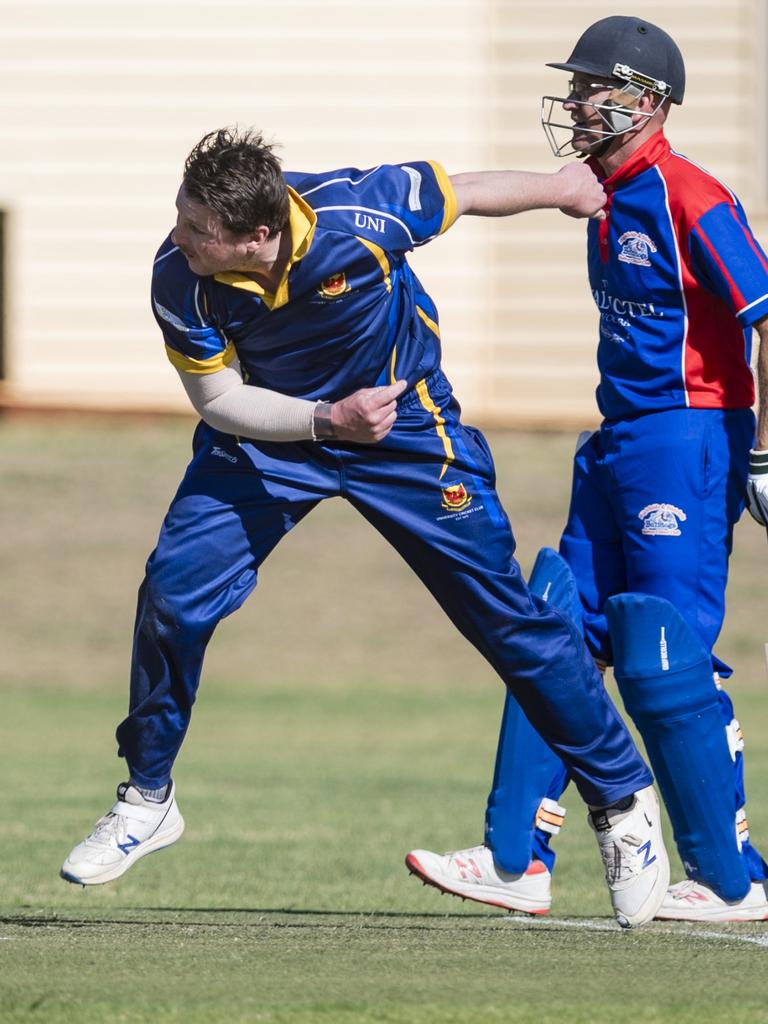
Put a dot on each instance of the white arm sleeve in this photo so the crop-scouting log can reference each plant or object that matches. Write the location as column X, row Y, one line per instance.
column 229, row 405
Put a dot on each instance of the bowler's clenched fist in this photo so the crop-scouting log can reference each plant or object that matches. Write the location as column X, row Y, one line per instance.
column 367, row 415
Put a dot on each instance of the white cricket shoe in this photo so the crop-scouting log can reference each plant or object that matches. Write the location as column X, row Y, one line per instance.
column 473, row 875
column 694, row 901
column 133, row 828
column 634, row 857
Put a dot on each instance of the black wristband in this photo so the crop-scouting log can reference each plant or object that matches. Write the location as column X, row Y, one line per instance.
column 322, row 424
column 758, row 462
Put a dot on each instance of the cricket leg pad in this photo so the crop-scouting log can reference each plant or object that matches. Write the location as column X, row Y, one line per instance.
column 664, row 675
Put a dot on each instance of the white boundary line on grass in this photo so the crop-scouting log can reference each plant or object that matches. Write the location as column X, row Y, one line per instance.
column 602, row 926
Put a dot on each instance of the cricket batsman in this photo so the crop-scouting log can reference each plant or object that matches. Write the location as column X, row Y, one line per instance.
column 680, row 284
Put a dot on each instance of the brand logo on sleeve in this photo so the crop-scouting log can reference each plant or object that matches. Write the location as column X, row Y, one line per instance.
column 221, row 454
column 171, row 318
column 636, row 248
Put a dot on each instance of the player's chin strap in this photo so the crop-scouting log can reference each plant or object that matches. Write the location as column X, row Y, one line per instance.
column 597, row 151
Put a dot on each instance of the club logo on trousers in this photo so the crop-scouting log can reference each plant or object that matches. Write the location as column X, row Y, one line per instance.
column 455, row 497
column 662, row 520
column 635, row 248
column 334, row 286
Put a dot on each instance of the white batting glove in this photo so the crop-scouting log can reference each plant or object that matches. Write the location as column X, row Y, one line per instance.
column 757, row 486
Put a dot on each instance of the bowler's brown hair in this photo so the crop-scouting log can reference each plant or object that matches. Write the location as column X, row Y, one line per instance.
column 237, row 175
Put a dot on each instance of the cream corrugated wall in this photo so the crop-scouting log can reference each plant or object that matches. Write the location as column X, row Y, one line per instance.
column 99, row 105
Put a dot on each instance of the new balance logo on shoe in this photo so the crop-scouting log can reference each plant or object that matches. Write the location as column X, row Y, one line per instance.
column 695, row 896
column 127, row 847
column 468, row 869
column 646, row 849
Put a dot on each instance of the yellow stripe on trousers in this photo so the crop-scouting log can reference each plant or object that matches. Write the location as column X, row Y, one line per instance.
column 429, row 405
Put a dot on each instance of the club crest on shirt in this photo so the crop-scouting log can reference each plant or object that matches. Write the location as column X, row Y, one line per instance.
column 661, row 520
column 636, row 248
column 333, row 286
column 455, row 497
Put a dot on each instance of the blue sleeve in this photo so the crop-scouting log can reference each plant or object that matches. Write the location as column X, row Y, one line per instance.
column 728, row 261
column 397, row 206
column 180, row 306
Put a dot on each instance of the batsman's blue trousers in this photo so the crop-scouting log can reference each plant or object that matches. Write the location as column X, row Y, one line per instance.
column 653, row 506
column 429, row 489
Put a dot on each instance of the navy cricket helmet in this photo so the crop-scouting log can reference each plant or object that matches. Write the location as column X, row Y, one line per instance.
column 633, row 57
column 630, row 49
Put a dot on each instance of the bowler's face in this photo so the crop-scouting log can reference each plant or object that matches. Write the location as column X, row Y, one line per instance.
column 208, row 247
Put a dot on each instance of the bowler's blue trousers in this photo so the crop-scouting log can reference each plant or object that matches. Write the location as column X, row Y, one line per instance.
column 429, row 488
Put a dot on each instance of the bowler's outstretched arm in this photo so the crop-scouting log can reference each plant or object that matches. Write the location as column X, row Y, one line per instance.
column 574, row 190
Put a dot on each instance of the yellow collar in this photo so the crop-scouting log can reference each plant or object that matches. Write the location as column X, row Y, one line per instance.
column 301, row 224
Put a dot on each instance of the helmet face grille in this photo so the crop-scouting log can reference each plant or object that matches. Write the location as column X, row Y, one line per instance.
column 615, row 120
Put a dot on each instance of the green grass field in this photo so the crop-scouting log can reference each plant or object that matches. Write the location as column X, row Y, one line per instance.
column 341, row 721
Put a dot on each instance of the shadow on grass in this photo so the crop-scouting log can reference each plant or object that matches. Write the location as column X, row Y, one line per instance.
column 391, row 920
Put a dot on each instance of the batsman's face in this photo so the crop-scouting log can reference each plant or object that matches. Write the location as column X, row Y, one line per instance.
column 208, row 246
column 583, row 93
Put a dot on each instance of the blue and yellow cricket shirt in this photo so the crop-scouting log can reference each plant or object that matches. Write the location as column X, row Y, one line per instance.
column 348, row 313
